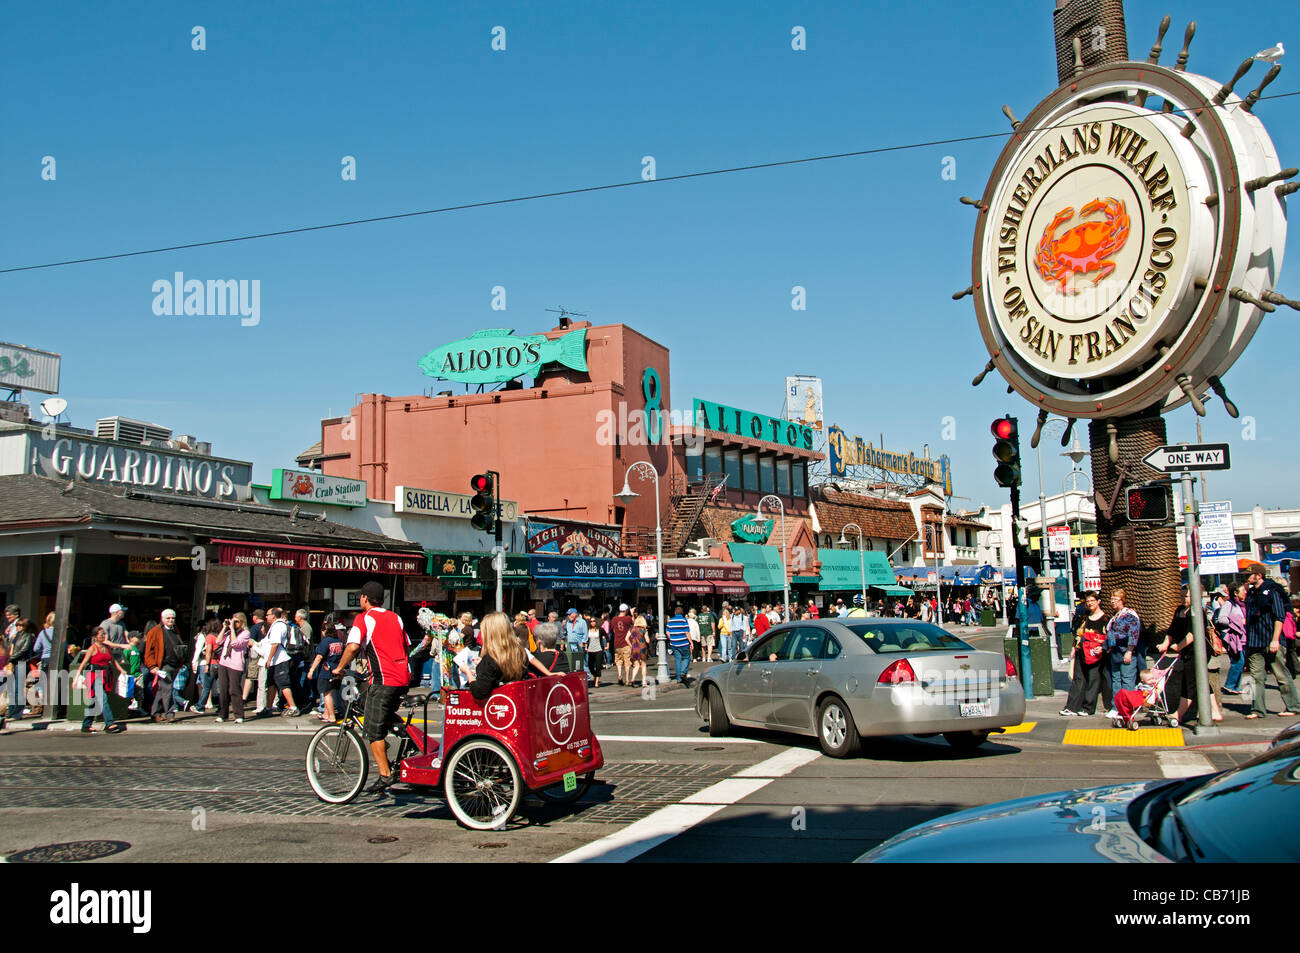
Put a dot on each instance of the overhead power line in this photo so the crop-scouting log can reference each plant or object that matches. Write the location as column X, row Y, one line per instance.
column 299, row 230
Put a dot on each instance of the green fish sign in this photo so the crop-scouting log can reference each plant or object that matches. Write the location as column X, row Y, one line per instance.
column 751, row 530
column 496, row 354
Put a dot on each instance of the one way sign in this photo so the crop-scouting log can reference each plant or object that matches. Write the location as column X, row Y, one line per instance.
column 1189, row 456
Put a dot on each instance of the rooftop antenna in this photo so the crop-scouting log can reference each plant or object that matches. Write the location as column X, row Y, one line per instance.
column 565, row 314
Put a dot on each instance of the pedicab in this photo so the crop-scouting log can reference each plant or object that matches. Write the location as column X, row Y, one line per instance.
column 532, row 736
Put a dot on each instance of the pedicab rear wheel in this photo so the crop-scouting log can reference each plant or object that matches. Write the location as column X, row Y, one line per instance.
column 483, row 785
column 337, row 764
column 557, row 795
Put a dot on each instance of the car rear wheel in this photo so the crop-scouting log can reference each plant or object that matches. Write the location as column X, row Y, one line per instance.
column 965, row 741
column 719, row 724
column 836, row 732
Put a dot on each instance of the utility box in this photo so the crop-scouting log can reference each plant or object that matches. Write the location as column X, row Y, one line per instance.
column 1040, row 661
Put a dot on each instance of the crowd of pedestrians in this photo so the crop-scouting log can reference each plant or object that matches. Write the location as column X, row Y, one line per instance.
column 1250, row 630
column 235, row 667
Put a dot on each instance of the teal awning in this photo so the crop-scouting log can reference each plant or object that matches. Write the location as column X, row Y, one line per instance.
column 841, row 569
column 893, row 590
column 762, row 566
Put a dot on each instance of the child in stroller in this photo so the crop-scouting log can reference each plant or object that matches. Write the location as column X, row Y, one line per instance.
column 1148, row 697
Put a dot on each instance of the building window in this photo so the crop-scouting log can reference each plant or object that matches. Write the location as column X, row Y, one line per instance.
column 694, row 467
column 766, row 474
column 1243, row 545
column 749, row 471
column 731, row 462
column 783, row 478
column 713, row 462
column 797, row 473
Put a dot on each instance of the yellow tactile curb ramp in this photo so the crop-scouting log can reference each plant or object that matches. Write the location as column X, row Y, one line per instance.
column 1020, row 729
column 1123, row 738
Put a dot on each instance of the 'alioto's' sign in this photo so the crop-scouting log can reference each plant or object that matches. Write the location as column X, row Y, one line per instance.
column 744, row 423
column 496, row 354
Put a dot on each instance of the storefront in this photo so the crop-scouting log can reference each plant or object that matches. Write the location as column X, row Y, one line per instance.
column 76, row 548
column 322, row 579
column 699, row 582
column 589, row 583
column 845, row 572
column 465, row 582
column 762, row 568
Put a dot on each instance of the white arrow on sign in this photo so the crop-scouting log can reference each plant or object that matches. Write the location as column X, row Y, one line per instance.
column 1192, row 456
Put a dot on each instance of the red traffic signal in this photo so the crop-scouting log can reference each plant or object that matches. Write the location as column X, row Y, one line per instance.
column 1006, row 450
column 483, row 503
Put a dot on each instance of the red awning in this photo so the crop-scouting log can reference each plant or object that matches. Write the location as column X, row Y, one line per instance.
column 235, row 553
column 731, row 589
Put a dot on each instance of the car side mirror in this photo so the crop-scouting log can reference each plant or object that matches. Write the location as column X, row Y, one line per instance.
column 742, row 656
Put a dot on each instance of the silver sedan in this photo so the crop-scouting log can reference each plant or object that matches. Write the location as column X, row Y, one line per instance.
column 844, row 679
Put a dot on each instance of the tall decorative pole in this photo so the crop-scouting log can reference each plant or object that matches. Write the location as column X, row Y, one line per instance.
column 862, row 559
column 645, row 470
column 785, row 572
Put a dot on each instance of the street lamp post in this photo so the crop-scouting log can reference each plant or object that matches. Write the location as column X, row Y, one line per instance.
column 646, row 471
column 1076, row 454
column 862, row 559
column 785, row 572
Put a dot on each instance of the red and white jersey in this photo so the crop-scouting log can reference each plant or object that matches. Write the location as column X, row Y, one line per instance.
column 380, row 634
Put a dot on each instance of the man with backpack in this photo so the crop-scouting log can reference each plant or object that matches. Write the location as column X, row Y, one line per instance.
column 278, row 659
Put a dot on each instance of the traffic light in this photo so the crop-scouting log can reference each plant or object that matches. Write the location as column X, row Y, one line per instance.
column 1147, row 504
column 1006, row 450
column 483, row 503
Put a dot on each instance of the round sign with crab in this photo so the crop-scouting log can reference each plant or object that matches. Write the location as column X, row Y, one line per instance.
column 1128, row 241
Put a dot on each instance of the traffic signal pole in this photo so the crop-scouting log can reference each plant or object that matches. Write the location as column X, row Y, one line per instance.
column 1022, row 603
column 1204, row 721
column 1006, row 450
column 498, row 551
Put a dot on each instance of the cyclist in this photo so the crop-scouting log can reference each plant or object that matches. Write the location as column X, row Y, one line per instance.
column 379, row 634
column 859, row 608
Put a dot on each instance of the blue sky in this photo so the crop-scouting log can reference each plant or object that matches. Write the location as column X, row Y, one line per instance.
column 158, row 144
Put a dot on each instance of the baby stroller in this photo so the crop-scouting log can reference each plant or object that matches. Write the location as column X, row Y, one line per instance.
column 1148, row 698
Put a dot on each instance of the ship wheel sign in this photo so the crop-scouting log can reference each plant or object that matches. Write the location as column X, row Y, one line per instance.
column 1129, row 240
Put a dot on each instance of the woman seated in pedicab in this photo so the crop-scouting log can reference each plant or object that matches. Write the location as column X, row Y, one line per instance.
column 503, row 659
column 547, row 635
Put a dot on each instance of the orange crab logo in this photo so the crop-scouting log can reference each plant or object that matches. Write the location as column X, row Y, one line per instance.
column 1086, row 247
column 302, row 486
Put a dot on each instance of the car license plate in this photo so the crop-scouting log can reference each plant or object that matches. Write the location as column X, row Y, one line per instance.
column 978, row 710
column 570, row 782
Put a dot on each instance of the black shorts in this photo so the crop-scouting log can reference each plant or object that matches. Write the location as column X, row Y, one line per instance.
column 279, row 676
column 381, row 708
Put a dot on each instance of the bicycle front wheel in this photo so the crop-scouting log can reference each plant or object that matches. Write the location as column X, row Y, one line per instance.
column 336, row 764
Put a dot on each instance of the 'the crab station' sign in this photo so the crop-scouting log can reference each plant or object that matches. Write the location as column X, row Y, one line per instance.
column 1119, row 257
column 304, row 487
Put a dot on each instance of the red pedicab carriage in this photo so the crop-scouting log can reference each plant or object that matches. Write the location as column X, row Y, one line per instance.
column 531, row 735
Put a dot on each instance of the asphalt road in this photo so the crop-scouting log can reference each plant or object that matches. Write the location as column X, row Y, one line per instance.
column 195, row 791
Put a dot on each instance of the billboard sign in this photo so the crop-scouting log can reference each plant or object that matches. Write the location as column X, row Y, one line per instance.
column 25, row 368
column 803, row 401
